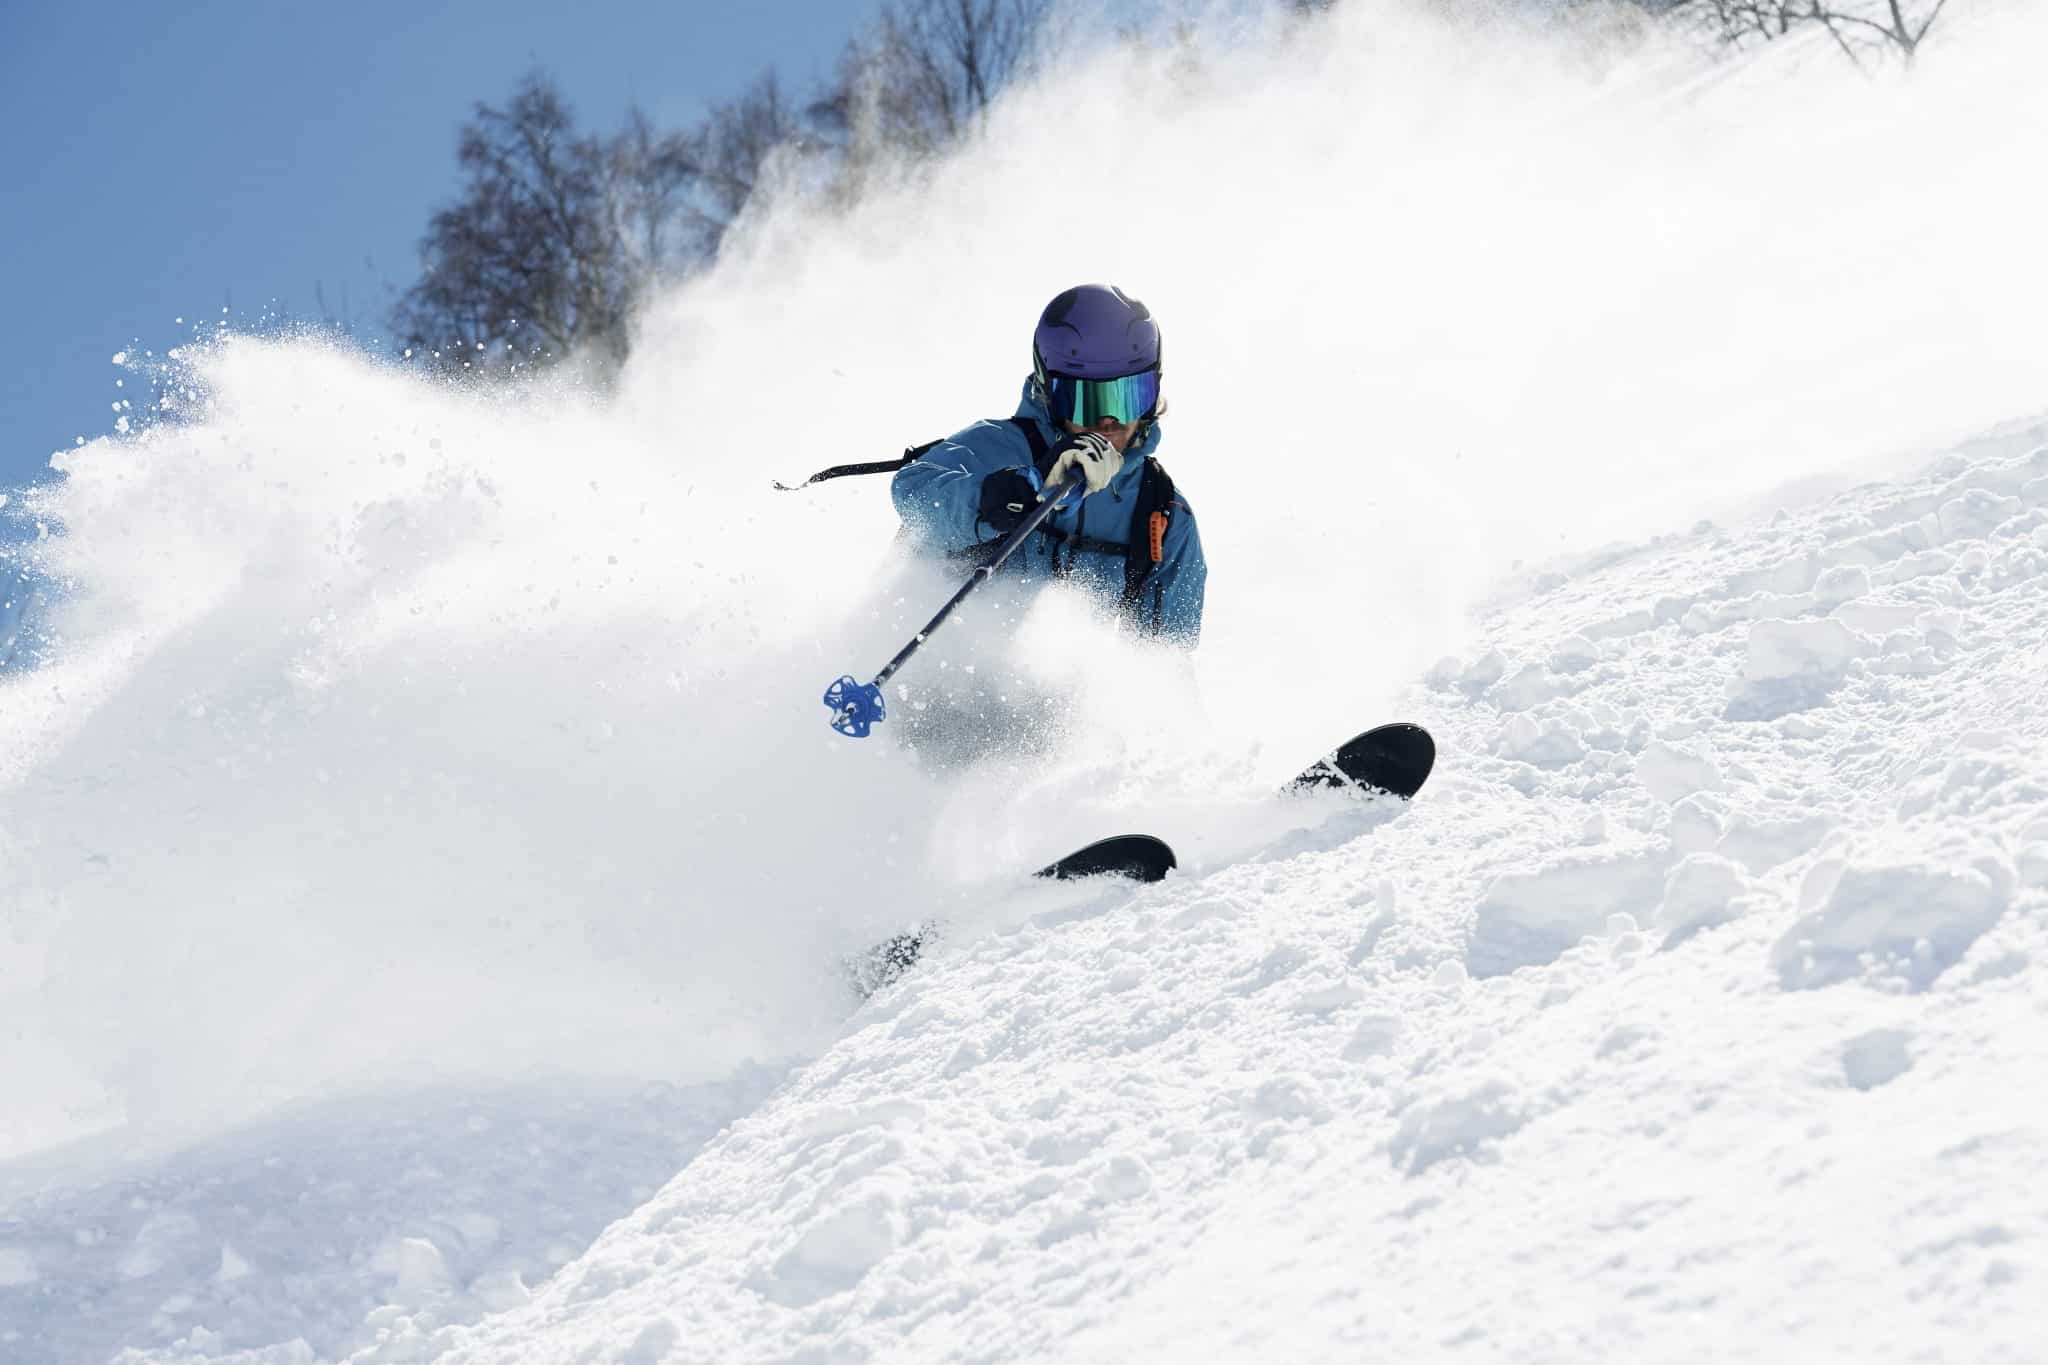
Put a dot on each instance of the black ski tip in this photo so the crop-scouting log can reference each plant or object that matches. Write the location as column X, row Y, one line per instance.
column 1137, row 856
column 1395, row 758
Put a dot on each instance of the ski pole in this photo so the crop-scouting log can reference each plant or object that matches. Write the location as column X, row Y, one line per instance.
column 856, row 706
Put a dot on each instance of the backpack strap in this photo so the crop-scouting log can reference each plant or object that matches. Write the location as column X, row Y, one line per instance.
column 840, row 471
column 1041, row 459
column 1041, row 453
column 1145, row 550
column 1147, row 547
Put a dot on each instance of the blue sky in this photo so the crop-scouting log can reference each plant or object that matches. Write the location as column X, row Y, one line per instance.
column 167, row 160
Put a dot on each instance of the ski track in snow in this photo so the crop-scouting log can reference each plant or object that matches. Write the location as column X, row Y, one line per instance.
column 1693, row 1012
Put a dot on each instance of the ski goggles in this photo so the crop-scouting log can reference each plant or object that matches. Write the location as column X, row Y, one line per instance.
column 1084, row 402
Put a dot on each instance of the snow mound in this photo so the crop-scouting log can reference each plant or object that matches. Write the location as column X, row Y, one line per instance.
column 1913, row 918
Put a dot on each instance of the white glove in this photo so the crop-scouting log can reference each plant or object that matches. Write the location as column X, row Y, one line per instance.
column 1087, row 456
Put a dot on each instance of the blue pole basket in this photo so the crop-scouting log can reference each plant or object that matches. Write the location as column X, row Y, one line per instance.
column 856, row 706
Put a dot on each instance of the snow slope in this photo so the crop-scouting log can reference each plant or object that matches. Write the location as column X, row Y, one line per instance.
column 1695, row 1012
column 403, row 873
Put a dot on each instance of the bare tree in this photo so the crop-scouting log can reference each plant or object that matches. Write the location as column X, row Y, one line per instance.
column 734, row 148
column 1860, row 28
column 1738, row 20
column 557, row 236
column 650, row 180
column 1900, row 24
column 927, row 74
column 554, row 239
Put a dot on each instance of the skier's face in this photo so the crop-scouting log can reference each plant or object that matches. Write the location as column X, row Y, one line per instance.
column 1119, row 435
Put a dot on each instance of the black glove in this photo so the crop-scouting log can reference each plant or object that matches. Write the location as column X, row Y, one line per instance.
column 1006, row 496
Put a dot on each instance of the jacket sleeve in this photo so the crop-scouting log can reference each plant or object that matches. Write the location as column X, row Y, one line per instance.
column 938, row 495
column 1180, row 579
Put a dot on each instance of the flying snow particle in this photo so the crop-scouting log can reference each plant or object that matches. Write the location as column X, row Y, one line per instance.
column 232, row 1266
column 120, row 357
column 17, row 1268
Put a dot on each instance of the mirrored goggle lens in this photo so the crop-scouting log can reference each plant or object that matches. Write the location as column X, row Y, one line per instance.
column 1087, row 401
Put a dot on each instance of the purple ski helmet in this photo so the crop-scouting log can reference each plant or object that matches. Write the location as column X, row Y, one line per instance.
column 1096, row 354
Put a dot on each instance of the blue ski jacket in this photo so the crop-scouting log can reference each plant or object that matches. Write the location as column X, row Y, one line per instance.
column 938, row 497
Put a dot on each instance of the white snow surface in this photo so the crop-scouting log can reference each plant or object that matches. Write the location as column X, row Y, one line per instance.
column 426, row 872
column 1502, row 1075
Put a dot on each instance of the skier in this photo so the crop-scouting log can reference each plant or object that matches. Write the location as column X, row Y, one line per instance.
column 1090, row 412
